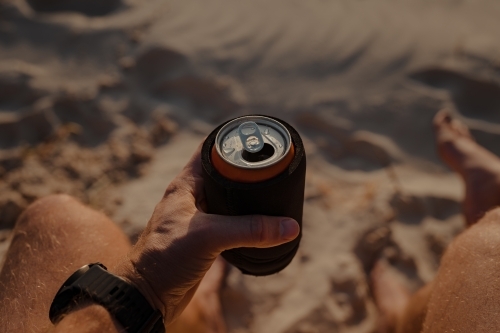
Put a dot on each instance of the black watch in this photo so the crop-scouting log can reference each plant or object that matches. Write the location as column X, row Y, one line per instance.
column 127, row 305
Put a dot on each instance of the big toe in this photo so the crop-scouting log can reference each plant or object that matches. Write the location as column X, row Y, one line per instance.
column 441, row 118
column 453, row 140
column 448, row 127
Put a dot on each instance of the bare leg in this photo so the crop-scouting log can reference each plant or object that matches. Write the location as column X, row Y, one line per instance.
column 399, row 311
column 478, row 167
column 413, row 316
column 390, row 295
column 54, row 237
column 466, row 288
column 480, row 170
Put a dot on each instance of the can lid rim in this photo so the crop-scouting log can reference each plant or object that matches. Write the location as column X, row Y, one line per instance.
column 242, row 119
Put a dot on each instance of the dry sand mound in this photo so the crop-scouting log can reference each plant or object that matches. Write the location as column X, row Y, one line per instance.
column 107, row 100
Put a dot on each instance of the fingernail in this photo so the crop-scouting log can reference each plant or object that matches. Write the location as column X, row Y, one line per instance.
column 289, row 229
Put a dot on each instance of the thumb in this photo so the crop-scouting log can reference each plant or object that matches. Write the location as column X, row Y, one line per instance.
column 228, row 232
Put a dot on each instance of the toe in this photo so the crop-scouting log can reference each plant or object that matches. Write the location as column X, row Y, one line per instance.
column 447, row 127
column 441, row 118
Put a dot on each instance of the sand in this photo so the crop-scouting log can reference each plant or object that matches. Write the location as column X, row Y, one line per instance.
column 106, row 100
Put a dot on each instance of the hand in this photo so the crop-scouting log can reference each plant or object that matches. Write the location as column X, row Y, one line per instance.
column 181, row 242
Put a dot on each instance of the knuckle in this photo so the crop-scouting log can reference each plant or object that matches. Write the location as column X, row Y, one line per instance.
column 173, row 189
column 264, row 231
column 257, row 229
column 177, row 199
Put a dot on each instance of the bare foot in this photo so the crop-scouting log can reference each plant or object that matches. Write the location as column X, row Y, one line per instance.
column 479, row 168
column 204, row 313
column 391, row 296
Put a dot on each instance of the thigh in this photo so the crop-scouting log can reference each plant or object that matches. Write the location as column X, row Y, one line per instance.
column 467, row 287
column 54, row 237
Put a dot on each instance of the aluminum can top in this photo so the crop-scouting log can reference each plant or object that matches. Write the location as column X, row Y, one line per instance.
column 253, row 142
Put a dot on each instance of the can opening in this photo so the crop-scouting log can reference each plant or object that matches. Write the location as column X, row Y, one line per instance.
column 266, row 152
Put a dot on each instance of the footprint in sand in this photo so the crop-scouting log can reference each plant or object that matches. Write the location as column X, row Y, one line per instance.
column 167, row 74
column 346, row 305
column 20, row 119
column 476, row 99
column 412, row 209
column 379, row 243
column 473, row 97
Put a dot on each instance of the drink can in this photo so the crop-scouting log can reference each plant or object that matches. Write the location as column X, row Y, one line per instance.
column 256, row 165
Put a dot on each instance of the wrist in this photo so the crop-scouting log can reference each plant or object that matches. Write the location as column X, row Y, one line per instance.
column 131, row 304
column 128, row 271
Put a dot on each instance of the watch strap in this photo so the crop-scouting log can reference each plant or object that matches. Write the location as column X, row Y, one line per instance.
column 123, row 300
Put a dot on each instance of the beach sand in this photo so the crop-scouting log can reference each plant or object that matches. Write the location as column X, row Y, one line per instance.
column 107, row 100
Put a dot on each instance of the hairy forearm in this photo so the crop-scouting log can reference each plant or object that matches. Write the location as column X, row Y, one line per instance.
column 90, row 318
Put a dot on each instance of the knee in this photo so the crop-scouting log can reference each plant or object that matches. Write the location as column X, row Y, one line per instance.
column 481, row 239
column 39, row 213
column 55, row 199
column 51, row 203
column 492, row 217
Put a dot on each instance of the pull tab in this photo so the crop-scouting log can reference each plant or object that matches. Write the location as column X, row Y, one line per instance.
column 250, row 137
